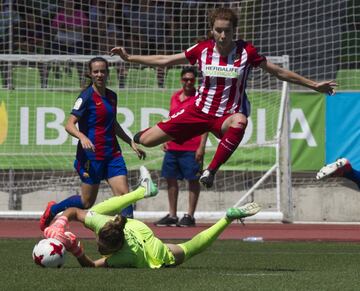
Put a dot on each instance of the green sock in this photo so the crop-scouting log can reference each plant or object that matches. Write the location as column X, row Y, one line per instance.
column 204, row 239
column 114, row 205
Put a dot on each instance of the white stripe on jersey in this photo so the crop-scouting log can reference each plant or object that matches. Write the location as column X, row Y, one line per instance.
column 215, row 60
column 202, row 87
column 228, row 83
column 242, row 78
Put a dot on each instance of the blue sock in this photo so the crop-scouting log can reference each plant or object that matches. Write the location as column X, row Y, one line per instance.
column 128, row 211
column 72, row 201
column 354, row 176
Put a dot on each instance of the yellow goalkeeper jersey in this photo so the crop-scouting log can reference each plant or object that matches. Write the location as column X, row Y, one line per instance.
column 141, row 248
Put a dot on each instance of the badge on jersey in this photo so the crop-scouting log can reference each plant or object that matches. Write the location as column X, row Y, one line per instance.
column 177, row 113
column 78, row 103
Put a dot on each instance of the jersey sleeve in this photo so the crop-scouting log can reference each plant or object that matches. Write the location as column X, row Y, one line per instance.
column 254, row 58
column 95, row 221
column 193, row 53
column 80, row 105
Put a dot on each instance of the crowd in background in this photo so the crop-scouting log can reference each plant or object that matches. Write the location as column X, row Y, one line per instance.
column 93, row 27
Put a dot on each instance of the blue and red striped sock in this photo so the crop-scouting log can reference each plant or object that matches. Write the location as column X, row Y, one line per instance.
column 72, row 201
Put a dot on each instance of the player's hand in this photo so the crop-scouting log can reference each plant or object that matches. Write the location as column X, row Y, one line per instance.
column 140, row 153
column 87, row 145
column 73, row 245
column 199, row 155
column 326, row 87
column 119, row 50
column 57, row 228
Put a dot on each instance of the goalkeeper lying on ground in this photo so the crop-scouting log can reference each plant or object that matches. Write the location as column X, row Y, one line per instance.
column 128, row 242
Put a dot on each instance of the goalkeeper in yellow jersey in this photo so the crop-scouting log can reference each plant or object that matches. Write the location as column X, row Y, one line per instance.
column 126, row 242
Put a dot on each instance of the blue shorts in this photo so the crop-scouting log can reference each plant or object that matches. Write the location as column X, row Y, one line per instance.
column 181, row 165
column 100, row 170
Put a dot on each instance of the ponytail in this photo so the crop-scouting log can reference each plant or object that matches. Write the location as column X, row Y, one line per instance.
column 112, row 233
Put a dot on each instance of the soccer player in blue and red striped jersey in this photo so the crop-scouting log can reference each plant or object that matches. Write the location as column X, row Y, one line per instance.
column 98, row 155
column 221, row 105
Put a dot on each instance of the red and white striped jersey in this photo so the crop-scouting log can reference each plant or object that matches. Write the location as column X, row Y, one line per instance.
column 224, row 78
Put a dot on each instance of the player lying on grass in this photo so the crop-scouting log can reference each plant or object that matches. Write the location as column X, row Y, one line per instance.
column 128, row 242
column 340, row 168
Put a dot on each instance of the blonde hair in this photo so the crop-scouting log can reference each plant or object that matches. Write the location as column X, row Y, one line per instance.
column 112, row 233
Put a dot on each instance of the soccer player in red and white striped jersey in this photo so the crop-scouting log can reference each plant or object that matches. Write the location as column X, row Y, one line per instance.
column 221, row 106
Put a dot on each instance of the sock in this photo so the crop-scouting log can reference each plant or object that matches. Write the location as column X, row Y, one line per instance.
column 354, row 176
column 128, row 211
column 228, row 144
column 72, row 201
column 137, row 136
column 204, row 239
column 114, row 205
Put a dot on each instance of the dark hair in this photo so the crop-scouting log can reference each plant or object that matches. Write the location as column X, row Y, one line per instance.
column 224, row 14
column 93, row 60
column 189, row 70
column 112, row 233
column 98, row 59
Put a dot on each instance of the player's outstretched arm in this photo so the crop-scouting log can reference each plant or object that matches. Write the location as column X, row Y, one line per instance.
column 151, row 60
column 74, row 246
column 326, row 87
column 85, row 261
column 57, row 229
column 76, row 214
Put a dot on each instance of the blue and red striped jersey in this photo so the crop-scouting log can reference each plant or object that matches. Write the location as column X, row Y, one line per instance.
column 97, row 117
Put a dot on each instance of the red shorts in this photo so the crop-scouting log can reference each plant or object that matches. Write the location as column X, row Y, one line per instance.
column 189, row 122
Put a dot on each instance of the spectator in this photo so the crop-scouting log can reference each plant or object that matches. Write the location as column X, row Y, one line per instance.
column 146, row 29
column 28, row 40
column 7, row 18
column 109, row 34
column 154, row 30
column 183, row 161
column 130, row 26
column 70, row 25
column 96, row 20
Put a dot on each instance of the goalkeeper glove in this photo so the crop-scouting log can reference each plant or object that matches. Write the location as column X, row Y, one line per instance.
column 73, row 245
column 57, row 228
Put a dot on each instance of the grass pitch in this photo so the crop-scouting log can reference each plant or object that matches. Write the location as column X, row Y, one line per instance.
column 227, row 265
